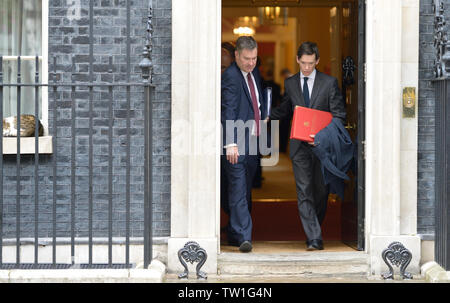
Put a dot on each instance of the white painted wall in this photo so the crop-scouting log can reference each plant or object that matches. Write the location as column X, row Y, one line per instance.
column 392, row 34
column 391, row 158
column 195, row 206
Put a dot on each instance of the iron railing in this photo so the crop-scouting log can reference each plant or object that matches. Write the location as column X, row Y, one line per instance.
column 442, row 128
column 442, row 174
column 56, row 88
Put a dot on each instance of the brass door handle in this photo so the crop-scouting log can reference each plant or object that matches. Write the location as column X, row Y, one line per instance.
column 351, row 126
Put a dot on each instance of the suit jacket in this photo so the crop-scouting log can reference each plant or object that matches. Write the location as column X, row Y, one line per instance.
column 237, row 106
column 325, row 96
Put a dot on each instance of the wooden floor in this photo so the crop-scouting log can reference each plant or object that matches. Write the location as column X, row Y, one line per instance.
column 289, row 247
column 278, row 183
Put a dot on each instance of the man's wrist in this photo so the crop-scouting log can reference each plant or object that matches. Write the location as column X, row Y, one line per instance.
column 230, row 145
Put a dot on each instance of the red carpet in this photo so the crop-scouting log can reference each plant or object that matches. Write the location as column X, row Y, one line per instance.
column 280, row 221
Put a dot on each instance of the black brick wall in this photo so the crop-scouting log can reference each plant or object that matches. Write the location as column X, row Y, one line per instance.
column 69, row 37
column 162, row 58
column 69, row 43
column 426, row 148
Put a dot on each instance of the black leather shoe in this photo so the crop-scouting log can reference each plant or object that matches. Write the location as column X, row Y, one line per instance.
column 245, row 246
column 314, row 245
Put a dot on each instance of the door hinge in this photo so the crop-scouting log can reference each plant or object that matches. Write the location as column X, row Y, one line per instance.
column 363, row 149
column 365, row 72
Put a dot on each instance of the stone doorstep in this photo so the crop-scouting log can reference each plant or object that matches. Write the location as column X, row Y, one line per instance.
column 317, row 270
column 229, row 278
column 434, row 273
column 318, row 264
column 153, row 274
column 317, row 256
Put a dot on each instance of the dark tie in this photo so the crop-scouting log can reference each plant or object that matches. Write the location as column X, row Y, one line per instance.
column 306, row 91
column 254, row 101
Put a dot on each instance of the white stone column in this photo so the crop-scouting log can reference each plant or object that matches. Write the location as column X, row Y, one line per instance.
column 195, row 186
column 392, row 35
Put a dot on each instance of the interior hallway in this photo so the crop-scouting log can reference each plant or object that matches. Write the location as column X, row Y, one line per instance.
column 276, row 222
column 286, row 247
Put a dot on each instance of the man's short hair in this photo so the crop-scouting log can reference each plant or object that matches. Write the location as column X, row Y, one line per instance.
column 245, row 42
column 308, row 48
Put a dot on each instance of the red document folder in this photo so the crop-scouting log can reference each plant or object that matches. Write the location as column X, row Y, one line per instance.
column 308, row 121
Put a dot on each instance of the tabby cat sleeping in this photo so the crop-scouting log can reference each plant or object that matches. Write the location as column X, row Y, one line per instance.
column 27, row 126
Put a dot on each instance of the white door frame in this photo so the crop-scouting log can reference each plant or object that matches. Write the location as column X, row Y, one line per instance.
column 392, row 33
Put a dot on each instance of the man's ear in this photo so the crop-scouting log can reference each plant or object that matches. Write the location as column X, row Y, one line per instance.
column 317, row 62
column 298, row 59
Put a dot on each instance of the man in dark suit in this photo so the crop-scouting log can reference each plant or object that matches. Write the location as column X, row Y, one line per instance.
column 310, row 88
column 243, row 108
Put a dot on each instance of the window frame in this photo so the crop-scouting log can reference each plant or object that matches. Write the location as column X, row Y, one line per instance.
column 43, row 60
column 46, row 146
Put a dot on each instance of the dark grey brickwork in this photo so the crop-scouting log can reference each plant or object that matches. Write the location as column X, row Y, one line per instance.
column 69, row 37
column 162, row 58
column 426, row 148
column 69, row 43
column 426, row 157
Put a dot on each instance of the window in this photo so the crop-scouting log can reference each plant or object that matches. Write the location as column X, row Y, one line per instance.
column 24, row 33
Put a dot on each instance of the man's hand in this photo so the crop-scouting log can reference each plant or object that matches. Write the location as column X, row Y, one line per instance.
column 232, row 154
column 312, row 143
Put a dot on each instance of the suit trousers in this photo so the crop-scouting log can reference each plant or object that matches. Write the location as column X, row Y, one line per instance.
column 240, row 178
column 312, row 193
column 224, row 187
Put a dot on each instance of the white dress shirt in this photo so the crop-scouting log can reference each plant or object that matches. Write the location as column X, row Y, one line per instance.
column 256, row 88
column 257, row 99
column 311, row 79
column 257, row 96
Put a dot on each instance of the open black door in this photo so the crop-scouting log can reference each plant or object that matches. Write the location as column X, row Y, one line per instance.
column 361, row 141
column 353, row 88
column 361, row 179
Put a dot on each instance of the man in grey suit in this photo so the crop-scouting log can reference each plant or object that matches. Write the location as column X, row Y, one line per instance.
column 310, row 88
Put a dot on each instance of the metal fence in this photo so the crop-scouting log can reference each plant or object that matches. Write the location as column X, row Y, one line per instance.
column 442, row 174
column 442, row 129
column 56, row 87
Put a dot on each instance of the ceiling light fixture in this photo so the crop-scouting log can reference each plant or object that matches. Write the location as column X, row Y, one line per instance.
column 244, row 31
